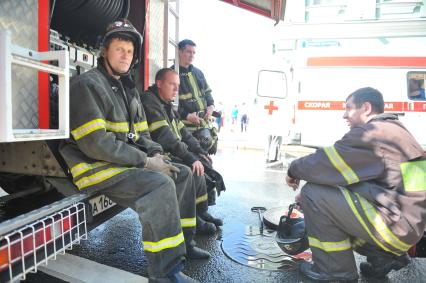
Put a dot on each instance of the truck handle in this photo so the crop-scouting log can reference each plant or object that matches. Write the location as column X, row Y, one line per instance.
column 16, row 55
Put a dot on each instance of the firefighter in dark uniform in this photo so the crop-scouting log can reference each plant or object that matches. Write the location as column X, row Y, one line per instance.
column 366, row 193
column 196, row 103
column 110, row 150
column 166, row 128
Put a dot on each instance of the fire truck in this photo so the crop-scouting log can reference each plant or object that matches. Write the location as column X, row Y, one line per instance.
column 325, row 50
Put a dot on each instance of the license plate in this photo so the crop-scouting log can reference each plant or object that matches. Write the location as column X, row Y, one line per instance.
column 100, row 204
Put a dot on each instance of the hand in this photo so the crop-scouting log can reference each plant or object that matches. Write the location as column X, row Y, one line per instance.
column 198, row 168
column 292, row 182
column 297, row 200
column 209, row 112
column 157, row 164
column 164, row 157
column 207, row 158
column 193, row 118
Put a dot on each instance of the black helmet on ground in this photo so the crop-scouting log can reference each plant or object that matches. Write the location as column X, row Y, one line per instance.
column 125, row 30
column 291, row 234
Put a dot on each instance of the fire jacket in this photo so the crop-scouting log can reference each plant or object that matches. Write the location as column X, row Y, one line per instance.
column 109, row 131
column 381, row 162
column 166, row 128
column 194, row 92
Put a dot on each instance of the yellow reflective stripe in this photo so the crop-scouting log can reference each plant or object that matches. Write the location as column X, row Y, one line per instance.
column 197, row 94
column 175, row 129
column 341, row 165
column 166, row 243
column 156, row 125
column 97, row 124
column 361, row 221
column 380, row 226
column 330, row 246
column 414, row 175
column 357, row 242
column 201, row 199
column 98, row 177
column 180, row 125
column 185, row 96
column 141, row 126
column 81, row 168
column 87, row 128
column 118, row 127
column 188, row 222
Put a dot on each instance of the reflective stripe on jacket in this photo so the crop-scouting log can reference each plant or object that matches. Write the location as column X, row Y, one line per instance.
column 382, row 163
column 194, row 92
column 99, row 152
column 166, row 128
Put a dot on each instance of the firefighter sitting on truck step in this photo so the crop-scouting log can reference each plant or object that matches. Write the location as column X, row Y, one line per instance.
column 366, row 193
column 110, row 150
column 167, row 129
column 196, row 103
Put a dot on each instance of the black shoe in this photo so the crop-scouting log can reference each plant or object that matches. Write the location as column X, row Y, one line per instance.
column 380, row 265
column 309, row 270
column 178, row 277
column 205, row 228
column 208, row 217
column 193, row 252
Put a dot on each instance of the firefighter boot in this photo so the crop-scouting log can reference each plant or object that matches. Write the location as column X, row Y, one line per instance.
column 174, row 276
column 310, row 271
column 379, row 262
column 378, row 266
column 209, row 218
column 194, row 252
column 205, row 228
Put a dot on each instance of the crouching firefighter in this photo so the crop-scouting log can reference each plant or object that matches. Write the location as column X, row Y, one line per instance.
column 110, row 150
column 166, row 129
column 366, row 193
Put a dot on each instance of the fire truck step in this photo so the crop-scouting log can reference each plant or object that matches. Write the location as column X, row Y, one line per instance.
column 76, row 269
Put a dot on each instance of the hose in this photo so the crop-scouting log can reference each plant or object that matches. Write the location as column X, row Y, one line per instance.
column 85, row 20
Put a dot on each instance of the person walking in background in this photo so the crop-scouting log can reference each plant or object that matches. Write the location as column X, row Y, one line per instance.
column 244, row 117
column 234, row 115
column 221, row 112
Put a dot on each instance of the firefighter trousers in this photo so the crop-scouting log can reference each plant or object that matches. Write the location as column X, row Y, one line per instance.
column 165, row 208
column 337, row 221
column 201, row 193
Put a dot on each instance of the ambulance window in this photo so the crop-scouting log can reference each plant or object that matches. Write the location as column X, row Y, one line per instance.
column 272, row 84
column 416, row 85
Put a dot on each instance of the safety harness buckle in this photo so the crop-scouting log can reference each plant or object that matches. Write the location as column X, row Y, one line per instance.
column 131, row 136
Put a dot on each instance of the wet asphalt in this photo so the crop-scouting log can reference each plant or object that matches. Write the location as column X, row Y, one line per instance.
column 117, row 242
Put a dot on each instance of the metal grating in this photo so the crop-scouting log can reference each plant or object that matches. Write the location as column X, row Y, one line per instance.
column 24, row 249
column 156, row 37
column 20, row 18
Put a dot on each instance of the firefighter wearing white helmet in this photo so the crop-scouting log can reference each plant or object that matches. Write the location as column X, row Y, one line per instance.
column 110, row 149
column 366, row 193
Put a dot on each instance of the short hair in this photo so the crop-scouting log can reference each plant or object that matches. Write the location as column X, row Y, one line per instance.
column 183, row 43
column 371, row 95
column 161, row 74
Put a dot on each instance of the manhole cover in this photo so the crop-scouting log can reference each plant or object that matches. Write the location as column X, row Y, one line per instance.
column 248, row 247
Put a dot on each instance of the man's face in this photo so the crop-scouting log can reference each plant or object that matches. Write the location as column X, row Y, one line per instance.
column 168, row 88
column 120, row 55
column 186, row 55
column 356, row 116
